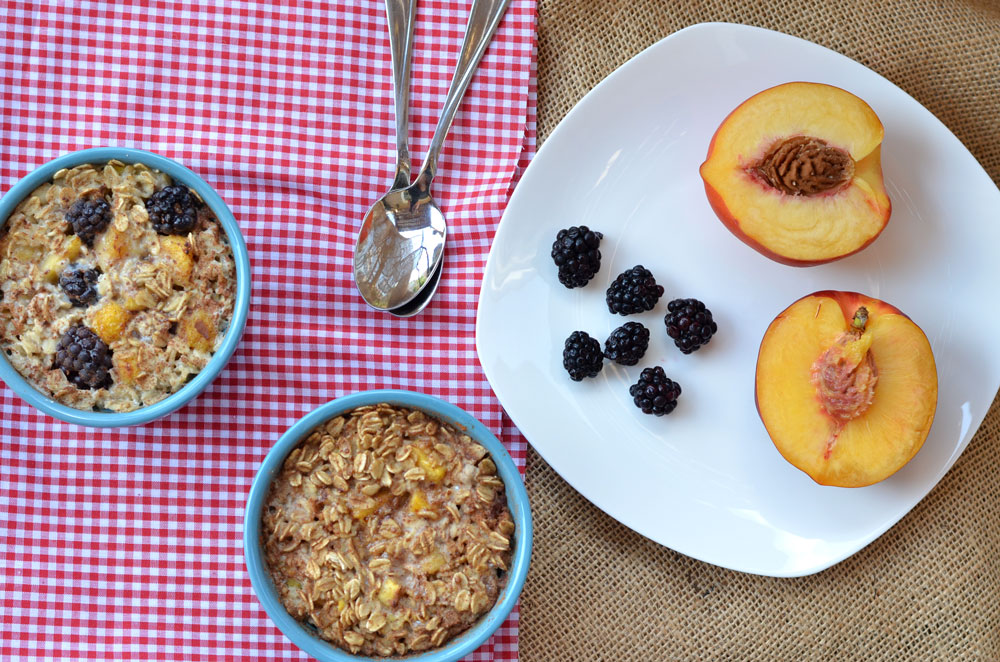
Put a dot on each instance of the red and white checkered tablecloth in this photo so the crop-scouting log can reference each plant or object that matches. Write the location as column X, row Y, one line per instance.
column 126, row 544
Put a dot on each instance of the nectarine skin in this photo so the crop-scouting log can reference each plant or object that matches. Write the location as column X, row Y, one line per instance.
column 851, row 449
column 812, row 228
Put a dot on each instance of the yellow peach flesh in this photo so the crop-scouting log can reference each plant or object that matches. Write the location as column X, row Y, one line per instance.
column 905, row 401
column 177, row 251
column 110, row 321
column 784, row 375
column 804, row 228
column 433, row 563
column 389, row 592
column 418, row 501
column 198, row 330
column 435, row 472
column 798, row 109
column 887, row 434
column 798, row 229
column 111, row 245
column 127, row 365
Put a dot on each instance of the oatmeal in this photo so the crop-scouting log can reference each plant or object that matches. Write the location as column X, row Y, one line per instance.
column 388, row 531
column 117, row 286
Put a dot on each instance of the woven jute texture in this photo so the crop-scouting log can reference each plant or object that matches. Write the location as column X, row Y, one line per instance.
column 929, row 589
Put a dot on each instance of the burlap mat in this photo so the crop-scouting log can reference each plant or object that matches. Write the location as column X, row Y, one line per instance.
column 926, row 590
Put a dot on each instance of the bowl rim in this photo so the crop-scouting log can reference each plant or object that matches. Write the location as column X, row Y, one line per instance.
column 241, row 305
column 517, row 502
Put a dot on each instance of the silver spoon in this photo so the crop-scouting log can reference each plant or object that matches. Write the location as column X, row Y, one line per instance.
column 419, row 302
column 401, row 18
column 401, row 15
column 401, row 241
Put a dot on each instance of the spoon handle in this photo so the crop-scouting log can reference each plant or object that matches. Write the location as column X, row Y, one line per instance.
column 484, row 17
column 401, row 17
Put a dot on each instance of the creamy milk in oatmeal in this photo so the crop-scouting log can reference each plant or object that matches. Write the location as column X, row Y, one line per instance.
column 387, row 531
column 117, row 286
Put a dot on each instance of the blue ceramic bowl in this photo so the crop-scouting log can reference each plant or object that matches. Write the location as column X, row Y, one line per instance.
column 517, row 501
column 176, row 400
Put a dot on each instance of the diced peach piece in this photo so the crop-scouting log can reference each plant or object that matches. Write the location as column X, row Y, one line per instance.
column 418, row 501
column 52, row 266
column 178, row 250
column 126, row 363
column 846, row 387
column 140, row 300
column 198, row 329
column 433, row 563
column 110, row 321
column 73, row 248
column 111, row 246
column 389, row 592
column 378, row 501
column 55, row 262
column 435, row 471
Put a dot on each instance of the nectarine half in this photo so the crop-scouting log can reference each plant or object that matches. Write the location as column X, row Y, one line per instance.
column 846, row 387
column 795, row 172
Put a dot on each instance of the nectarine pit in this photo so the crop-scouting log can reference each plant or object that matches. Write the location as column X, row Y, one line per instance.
column 802, row 165
column 845, row 374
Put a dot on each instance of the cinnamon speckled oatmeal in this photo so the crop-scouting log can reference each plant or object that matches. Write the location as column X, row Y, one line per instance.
column 117, row 286
column 388, row 531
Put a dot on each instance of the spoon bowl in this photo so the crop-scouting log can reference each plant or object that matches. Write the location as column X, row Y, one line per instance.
column 420, row 301
column 399, row 247
column 401, row 241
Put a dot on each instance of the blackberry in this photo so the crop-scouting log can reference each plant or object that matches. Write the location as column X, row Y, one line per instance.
column 87, row 217
column 173, row 210
column 655, row 393
column 627, row 343
column 84, row 358
column 689, row 323
column 575, row 252
column 634, row 291
column 582, row 356
column 80, row 285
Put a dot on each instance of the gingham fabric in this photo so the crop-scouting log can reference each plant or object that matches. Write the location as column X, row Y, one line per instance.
column 126, row 543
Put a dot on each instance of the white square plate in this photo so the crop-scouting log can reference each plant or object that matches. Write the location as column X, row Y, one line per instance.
column 706, row 480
